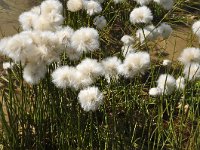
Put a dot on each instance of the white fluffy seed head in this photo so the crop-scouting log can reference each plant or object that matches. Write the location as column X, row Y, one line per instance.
column 36, row 10
column 85, row 39
column 190, row 55
column 180, row 83
column 166, row 83
column 155, row 91
column 64, row 77
column 3, row 45
column 118, row 1
column 196, row 28
column 92, row 7
column 83, row 80
column 33, row 73
column 64, row 36
column 143, row 2
column 134, row 64
column 166, row 4
column 46, row 38
column 46, row 47
column 141, row 15
column 18, row 47
column 48, row 22
column 47, row 16
column 192, row 71
column 8, row 65
column 100, row 22
column 110, row 66
column 51, row 6
column 100, row 1
column 27, row 20
column 90, row 98
column 164, row 30
column 90, row 67
column 167, row 62
column 149, row 33
column 127, row 40
column 74, row 5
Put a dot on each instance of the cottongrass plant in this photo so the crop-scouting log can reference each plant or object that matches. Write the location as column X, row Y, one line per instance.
column 196, row 28
column 83, row 79
column 166, row 4
column 141, row 15
column 135, row 64
column 90, row 98
column 143, row 2
column 100, row 22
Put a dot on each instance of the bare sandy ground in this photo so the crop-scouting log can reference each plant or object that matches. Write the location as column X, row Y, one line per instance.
column 180, row 39
column 9, row 13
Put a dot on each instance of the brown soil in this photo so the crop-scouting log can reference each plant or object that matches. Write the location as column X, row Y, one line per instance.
column 181, row 38
column 9, row 13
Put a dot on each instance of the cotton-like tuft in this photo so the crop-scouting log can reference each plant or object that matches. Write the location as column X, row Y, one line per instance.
column 196, row 28
column 33, row 73
column 3, row 44
column 83, row 80
column 64, row 77
column 166, row 4
column 46, row 17
column 100, row 22
column 190, row 55
column 134, row 64
column 90, row 98
column 32, row 47
column 192, row 71
column 143, row 2
column 127, row 40
column 46, row 38
column 27, row 20
column 110, row 67
column 167, row 62
column 18, row 47
column 85, row 39
column 100, row 1
column 155, row 91
column 92, row 7
column 48, row 22
column 164, row 30
column 166, row 83
column 64, row 36
column 180, row 83
column 36, row 10
column 47, row 47
column 51, row 7
column 74, row 5
column 90, row 67
column 8, row 65
column 148, row 33
column 118, row 1
column 141, row 15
